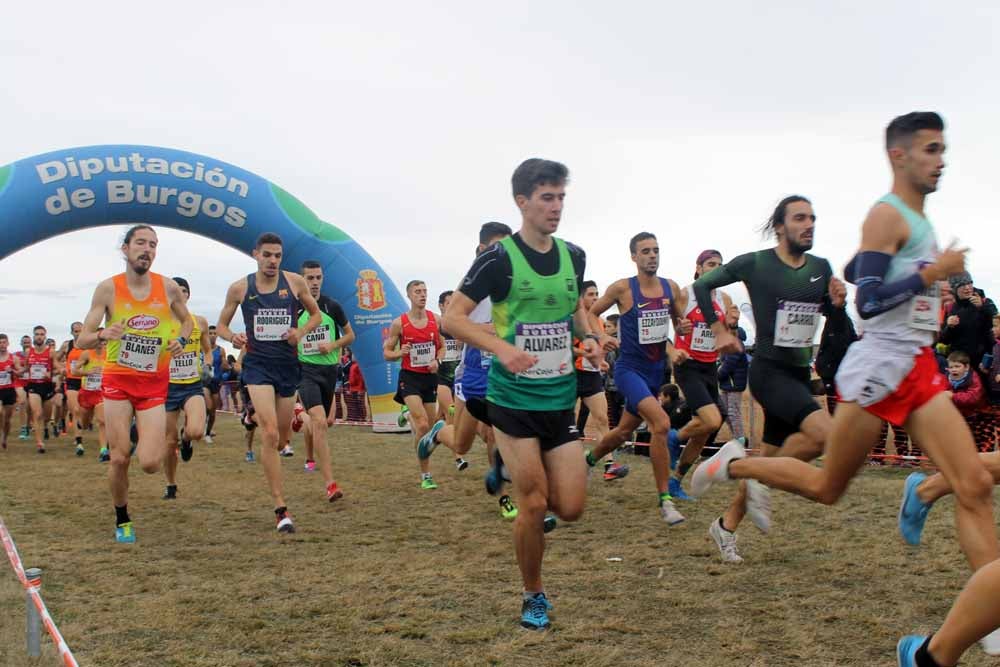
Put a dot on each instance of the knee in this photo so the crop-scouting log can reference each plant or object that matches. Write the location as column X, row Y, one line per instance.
column 268, row 431
column 975, row 488
column 150, row 467
column 119, row 460
column 194, row 432
column 419, row 424
column 712, row 423
column 659, row 426
column 532, row 504
column 569, row 511
column 830, row 492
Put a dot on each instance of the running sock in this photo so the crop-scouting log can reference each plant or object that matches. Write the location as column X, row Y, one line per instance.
column 682, row 469
column 722, row 525
column 79, row 440
column 280, row 511
column 665, row 496
column 923, row 657
column 121, row 514
column 530, row 595
column 591, row 461
column 310, row 461
column 425, row 475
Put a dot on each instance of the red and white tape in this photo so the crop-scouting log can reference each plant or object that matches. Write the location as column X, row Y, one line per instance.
column 32, row 586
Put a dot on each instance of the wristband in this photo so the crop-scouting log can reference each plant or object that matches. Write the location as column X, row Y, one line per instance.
column 182, row 340
column 591, row 336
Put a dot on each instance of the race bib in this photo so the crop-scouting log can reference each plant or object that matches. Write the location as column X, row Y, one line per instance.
column 485, row 359
column 795, row 324
column 184, row 367
column 271, row 324
column 702, row 338
column 316, row 337
column 92, row 382
column 38, row 372
column 451, row 350
column 551, row 343
column 924, row 309
column 422, row 354
column 6, row 378
column 654, row 326
column 140, row 353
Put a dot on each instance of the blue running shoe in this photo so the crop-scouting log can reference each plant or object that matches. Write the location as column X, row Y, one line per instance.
column 906, row 650
column 676, row 491
column 426, row 444
column 535, row 612
column 912, row 512
column 124, row 533
column 249, row 457
column 674, row 446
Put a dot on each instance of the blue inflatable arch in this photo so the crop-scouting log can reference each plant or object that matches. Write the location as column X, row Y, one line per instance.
column 67, row 190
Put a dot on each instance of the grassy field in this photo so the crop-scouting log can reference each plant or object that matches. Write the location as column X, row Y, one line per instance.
column 392, row 575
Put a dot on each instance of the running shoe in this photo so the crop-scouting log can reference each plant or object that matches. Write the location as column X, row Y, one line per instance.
column 79, row 449
column 759, row 505
column 428, row 483
column 427, row 444
column 23, row 435
column 187, row 450
column 124, row 533
column 726, row 541
column 535, row 612
column 310, row 466
column 507, row 508
column 40, row 449
column 676, row 490
column 104, row 455
column 669, row 513
column 45, row 433
column 906, row 650
column 716, row 468
column 208, row 439
column 249, row 457
column 284, row 522
column 287, row 451
column 461, row 464
column 403, row 417
column 991, row 643
column 674, row 446
column 549, row 524
column 333, row 492
column 912, row 511
column 170, row 493
column 615, row 471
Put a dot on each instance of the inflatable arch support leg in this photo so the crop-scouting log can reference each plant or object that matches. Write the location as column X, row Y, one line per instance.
column 77, row 188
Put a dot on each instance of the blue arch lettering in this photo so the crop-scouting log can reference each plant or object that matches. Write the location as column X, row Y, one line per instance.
column 77, row 188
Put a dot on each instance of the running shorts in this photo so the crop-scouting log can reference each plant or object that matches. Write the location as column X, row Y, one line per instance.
column 179, row 394
column 699, row 380
column 411, row 383
column 552, row 429
column 316, row 388
column 636, row 386
column 785, row 394
column 588, row 383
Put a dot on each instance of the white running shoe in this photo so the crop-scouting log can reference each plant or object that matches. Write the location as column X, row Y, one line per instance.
column 287, row 451
column 991, row 643
column 726, row 541
column 716, row 468
column 670, row 513
column 208, row 439
column 759, row 505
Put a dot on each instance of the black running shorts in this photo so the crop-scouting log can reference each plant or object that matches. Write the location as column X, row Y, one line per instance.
column 412, row 383
column 588, row 383
column 552, row 429
column 699, row 380
column 317, row 386
column 785, row 394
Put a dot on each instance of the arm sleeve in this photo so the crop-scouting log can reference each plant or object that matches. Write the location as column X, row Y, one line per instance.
column 489, row 276
column 579, row 258
column 727, row 274
column 336, row 312
column 874, row 296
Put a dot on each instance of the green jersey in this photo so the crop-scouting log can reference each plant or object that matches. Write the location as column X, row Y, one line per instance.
column 537, row 316
column 787, row 301
column 328, row 331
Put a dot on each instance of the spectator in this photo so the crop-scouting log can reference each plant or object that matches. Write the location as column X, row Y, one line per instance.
column 357, row 399
column 343, row 380
column 733, row 371
column 968, row 325
column 675, row 406
column 966, row 388
column 993, row 369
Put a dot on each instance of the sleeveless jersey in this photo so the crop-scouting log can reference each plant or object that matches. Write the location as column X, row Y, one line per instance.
column 7, row 372
column 91, row 382
column 423, row 343
column 583, row 364
column 39, row 366
column 142, row 351
column 475, row 364
column 916, row 322
column 536, row 316
column 71, row 356
column 217, row 363
column 700, row 343
column 185, row 368
column 326, row 332
column 267, row 318
column 643, row 330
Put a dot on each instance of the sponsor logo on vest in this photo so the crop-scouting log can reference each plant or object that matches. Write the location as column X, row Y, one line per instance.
column 143, row 322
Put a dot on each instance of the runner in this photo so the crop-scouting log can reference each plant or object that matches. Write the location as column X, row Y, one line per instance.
column 534, row 281
column 647, row 306
column 69, row 353
column 470, row 386
column 10, row 368
column 415, row 338
column 20, row 388
column 319, row 356
column 219, row 366
column 695, row 363
column 138, row 307
column 590, row 385
column 446, row 370
column 269, row 300
column 40, row 387
column 891, row 373
column 89, row 367
column 185, row 392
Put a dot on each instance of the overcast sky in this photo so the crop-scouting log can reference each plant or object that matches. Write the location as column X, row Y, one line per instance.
column 401, row 123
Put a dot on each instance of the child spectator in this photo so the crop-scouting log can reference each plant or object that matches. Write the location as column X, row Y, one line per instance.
column 966, row 387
